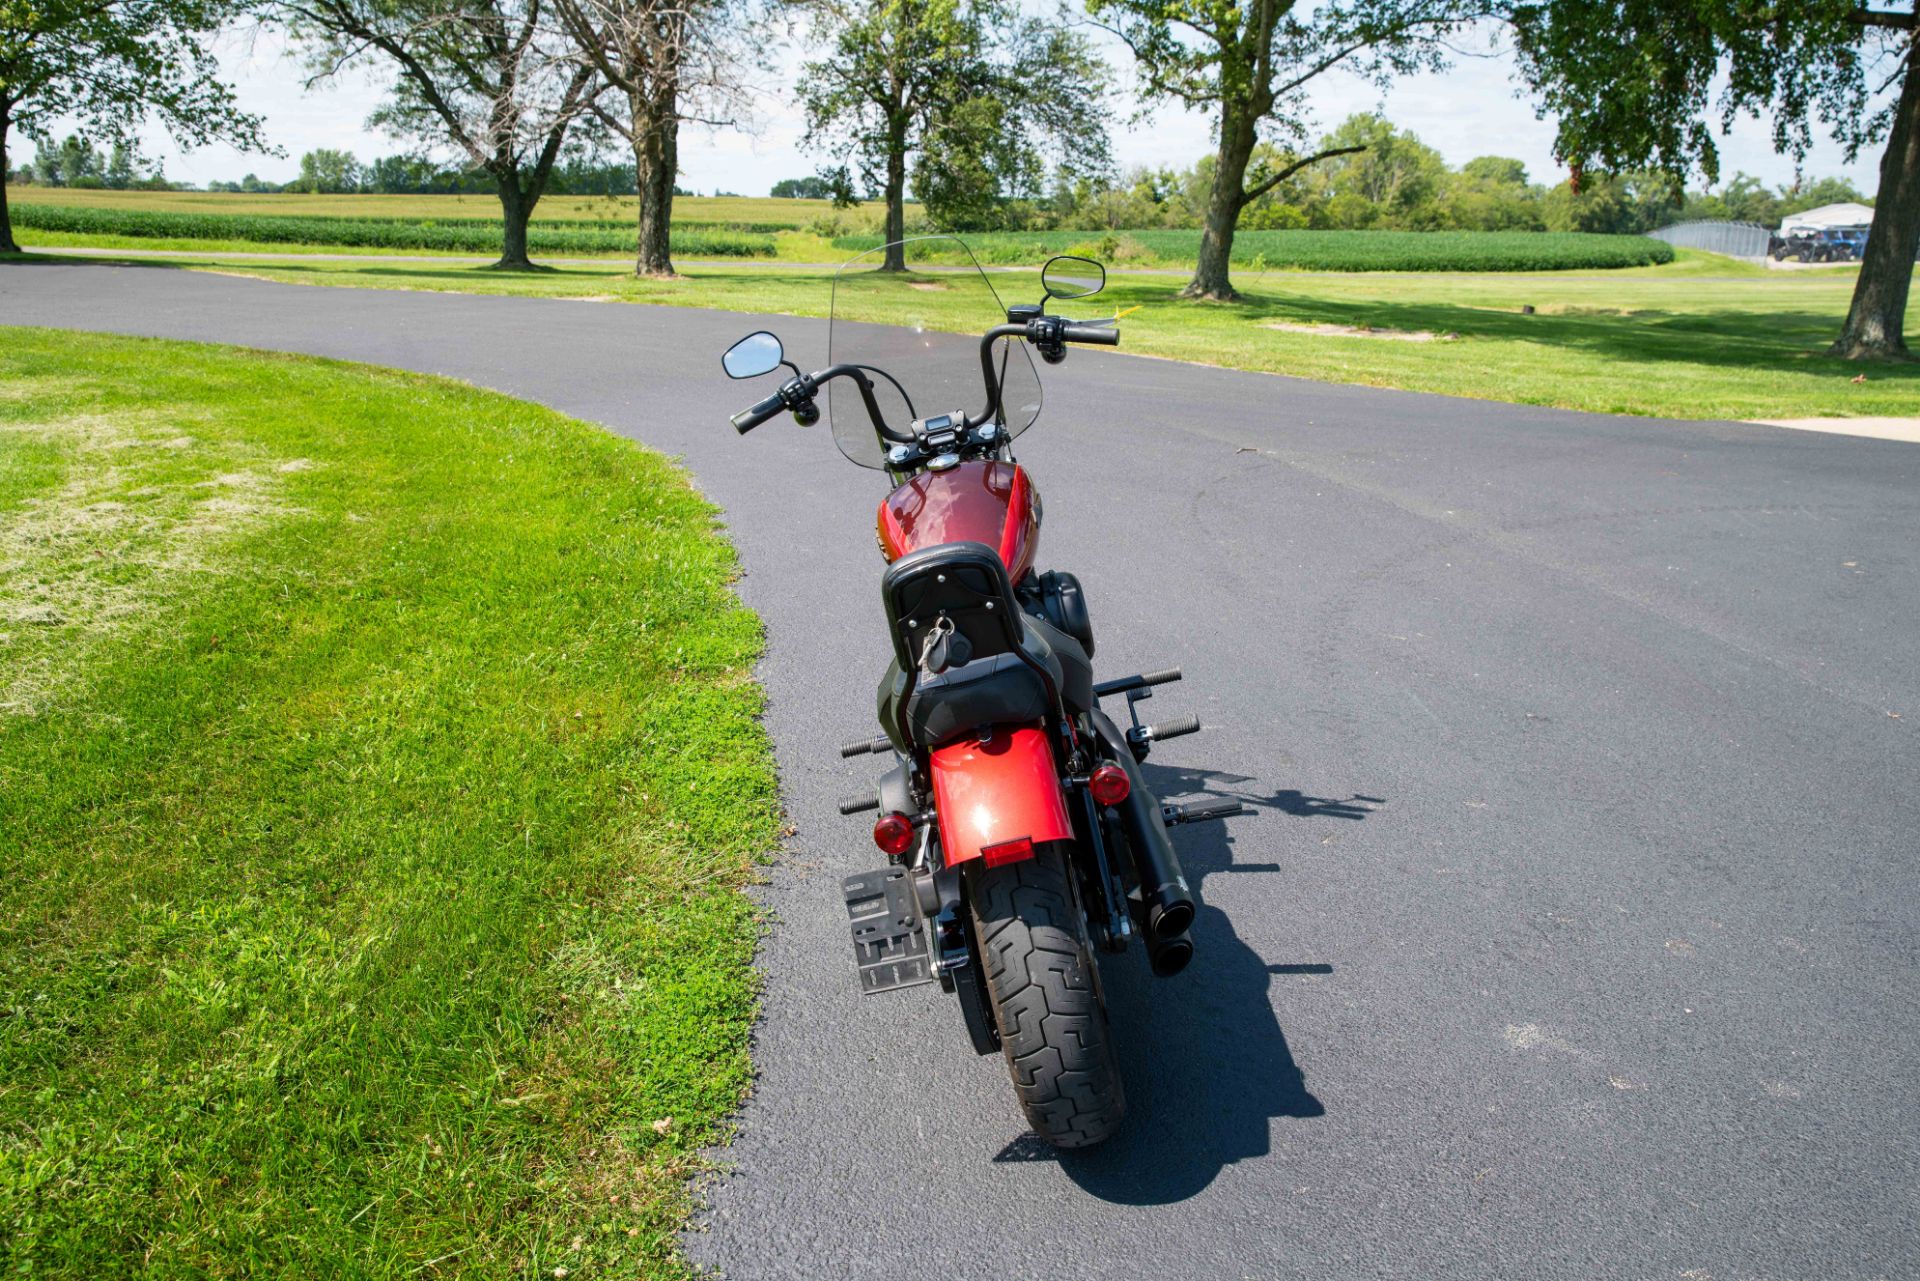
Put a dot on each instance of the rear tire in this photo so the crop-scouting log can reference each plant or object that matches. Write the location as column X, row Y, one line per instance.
column 1045, row 992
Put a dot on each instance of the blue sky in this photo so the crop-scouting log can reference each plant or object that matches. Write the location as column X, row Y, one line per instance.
column 1468, row 111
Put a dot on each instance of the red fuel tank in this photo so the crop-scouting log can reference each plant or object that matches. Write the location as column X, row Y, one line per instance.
column 981, row 502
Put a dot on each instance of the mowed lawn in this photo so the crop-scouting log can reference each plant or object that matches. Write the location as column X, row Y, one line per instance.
column 1703, row 337
column 380, row 771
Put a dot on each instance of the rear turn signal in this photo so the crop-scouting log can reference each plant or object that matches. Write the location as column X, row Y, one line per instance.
column 893, row 833
column 1007, row 852
column 1110, row 785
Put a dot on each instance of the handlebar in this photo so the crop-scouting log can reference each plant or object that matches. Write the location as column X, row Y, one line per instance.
column 1042, row 331
column 798, row 393
column 747, row 419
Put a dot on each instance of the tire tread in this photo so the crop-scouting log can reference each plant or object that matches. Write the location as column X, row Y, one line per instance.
column 1046, row 1001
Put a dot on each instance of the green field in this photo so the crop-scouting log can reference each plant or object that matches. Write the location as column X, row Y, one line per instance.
column 695, row 210
column 576, row 238
column 786, row 230
column 580, row 238
column 376, row 806
column 1314, row 250
column 1702, row 337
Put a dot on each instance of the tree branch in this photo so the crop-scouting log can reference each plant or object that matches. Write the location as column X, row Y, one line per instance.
column 1248, row 197
column 1881, row 18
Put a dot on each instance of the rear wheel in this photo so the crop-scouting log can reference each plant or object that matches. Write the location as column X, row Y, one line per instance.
column 1045, row 992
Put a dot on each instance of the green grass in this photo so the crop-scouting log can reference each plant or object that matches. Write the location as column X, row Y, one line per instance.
column 379, row 773
column 1487, row 251
column 1702, row 337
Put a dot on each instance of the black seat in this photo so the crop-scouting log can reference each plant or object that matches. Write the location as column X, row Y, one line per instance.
column 1016, row 668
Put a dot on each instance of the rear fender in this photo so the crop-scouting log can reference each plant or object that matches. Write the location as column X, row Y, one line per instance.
column 996, row 793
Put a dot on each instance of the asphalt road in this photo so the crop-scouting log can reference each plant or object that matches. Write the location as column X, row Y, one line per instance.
column 1574, row 931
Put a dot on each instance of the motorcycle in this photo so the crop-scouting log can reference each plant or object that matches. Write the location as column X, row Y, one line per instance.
column 1022, row 839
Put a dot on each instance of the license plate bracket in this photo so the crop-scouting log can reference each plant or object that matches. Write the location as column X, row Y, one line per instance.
column 889, row 945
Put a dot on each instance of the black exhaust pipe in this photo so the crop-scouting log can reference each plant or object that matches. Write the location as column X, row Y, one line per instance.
column 1163, row 887
column 1169, row 956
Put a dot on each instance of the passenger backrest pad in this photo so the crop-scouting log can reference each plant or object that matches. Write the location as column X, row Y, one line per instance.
column 965, row 582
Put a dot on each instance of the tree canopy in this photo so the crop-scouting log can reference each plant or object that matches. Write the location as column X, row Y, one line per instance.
column 111, row 64
column 1252, row 64
column 486, row 79
column 979, row 89
column 1641, row 82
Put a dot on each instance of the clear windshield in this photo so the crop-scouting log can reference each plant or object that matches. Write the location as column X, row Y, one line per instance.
column 922, row 326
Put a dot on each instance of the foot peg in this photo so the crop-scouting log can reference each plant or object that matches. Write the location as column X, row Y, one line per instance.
column 888, row 944
column 1199, row 811
column 857, row 804
column 1127, row 684
column 873, row 745
column 1168, row 729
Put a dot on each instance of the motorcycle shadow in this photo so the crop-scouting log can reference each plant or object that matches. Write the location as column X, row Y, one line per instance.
column 1206, row 1062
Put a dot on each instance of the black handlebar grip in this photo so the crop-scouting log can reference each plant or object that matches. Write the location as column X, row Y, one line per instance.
column 1100, row 334
column 747, row 419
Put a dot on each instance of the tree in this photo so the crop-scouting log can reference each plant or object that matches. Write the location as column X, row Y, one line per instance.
column 111, row 64
column 1251, row 62
column 121, row 171
column 485, row 78
column 814, row 188
column 329, row 172
column 1495, row 171
column 976, row 86
column 1821, row 191
column 1393, row 171
column 673, row 60
column 1632, row 82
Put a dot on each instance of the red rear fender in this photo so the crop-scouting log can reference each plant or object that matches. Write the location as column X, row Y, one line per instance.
column 998, row 793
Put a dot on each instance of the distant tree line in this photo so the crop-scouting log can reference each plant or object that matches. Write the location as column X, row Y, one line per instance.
column 1386, row 179
column 1389, row 180
column 75, row 162
column 989, row 114
column 329, row 172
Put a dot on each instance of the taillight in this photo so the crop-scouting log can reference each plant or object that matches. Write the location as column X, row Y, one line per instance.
column 1110, row 784
column 893, row 833
column 1007, row 851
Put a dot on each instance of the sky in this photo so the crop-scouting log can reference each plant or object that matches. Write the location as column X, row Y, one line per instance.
column 1470, row 110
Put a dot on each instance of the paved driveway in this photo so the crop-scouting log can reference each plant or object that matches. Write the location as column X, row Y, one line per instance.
column 1573, row 934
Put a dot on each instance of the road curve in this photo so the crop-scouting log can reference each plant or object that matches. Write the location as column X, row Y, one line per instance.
column 1573, row 934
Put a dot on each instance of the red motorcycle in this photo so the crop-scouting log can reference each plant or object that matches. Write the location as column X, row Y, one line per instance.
column 1022, row 840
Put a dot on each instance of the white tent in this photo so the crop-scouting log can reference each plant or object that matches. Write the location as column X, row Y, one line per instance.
column 1827, row 218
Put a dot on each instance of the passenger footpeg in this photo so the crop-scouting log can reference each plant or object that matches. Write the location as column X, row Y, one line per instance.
column 873, row 745
column 888, row 944
column 1199, row 811
column 1165, row 730
column 1138, row 689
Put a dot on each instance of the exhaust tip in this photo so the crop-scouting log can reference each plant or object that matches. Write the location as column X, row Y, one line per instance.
column 1168, row 956
column 1169, row 920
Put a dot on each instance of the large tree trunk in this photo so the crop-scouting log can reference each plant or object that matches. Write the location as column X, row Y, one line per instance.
column 1210, row 279
column 896, row 258
column 516, row 207
column 7, row 245
column 1877, row 320
column 656, row 156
